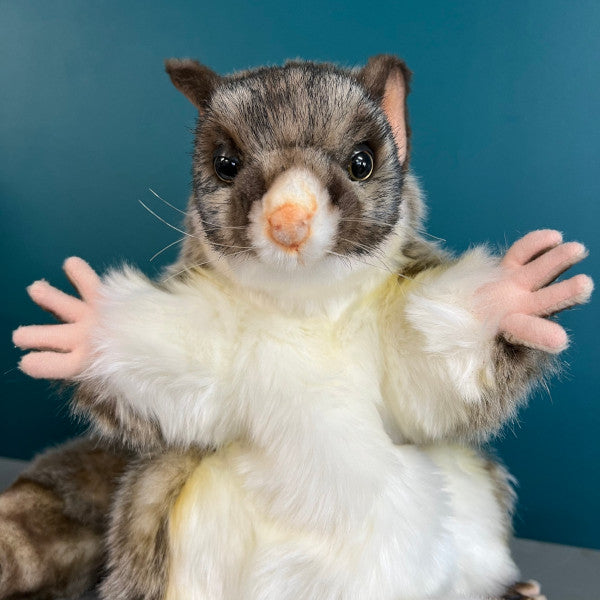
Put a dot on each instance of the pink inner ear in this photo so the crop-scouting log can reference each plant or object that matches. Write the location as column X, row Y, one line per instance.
column 393, row 106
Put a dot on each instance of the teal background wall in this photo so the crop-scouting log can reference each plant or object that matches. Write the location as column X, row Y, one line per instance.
column 506, row 139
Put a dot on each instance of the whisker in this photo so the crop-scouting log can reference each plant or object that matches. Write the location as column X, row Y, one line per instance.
column 188, row 268
column 349, row 259
column 371, row 251
column 167, row 247
column 346, row 259
column 196, row 237
column 238, row 253
column 229, row 246
column 222, row 226
column 223, row 255
column 423, row 232
column 374, row 252
column 376, row 222
column 356, row 244
column 167, row 223
column 367, row 220
column 198, row 265
column 183, row 212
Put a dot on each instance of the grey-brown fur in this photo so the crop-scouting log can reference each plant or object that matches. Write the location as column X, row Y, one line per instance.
column 504, row 491
column 192, row 79
column 123, row 426
column 305, row 115
column 53, row 520
column 299, row 114
column 517, row 370
column 138, row 536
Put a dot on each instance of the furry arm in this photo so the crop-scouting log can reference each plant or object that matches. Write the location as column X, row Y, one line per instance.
column 465, row 341
column 146, row 356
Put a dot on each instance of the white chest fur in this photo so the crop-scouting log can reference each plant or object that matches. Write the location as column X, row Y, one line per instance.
column 316, row 502
column 309, row 394
column 308, row 496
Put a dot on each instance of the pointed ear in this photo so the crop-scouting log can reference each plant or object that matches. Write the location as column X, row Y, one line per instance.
column 387, row 79
column 195, row 81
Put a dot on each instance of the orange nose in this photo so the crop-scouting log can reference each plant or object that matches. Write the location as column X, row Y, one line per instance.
column 289, row 225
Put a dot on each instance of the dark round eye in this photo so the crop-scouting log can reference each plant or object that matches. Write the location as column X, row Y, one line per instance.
column 361, row 163
column 226, row 167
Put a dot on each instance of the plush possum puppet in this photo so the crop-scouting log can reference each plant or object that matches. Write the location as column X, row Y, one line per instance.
column 294, row 411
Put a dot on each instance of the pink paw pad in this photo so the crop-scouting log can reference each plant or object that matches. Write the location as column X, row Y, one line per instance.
column 60, row 351
column 525, row 295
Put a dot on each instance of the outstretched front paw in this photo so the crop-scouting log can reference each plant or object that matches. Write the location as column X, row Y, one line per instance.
column 61, row 351
column 525, row 295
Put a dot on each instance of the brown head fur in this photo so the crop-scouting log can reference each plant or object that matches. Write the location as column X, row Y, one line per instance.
column 306, row 115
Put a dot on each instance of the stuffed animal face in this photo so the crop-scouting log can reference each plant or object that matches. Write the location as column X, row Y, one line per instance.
column 297, row 173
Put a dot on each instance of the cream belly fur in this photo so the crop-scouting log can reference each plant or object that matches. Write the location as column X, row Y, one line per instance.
column 225, row 544
column 319, row 502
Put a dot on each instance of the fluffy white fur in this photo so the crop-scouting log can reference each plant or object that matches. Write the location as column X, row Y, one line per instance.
column 443, row 356
column 314, row 492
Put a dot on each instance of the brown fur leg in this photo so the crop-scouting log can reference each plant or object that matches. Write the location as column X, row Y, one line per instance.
column 138, row 542
column 53, row 520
